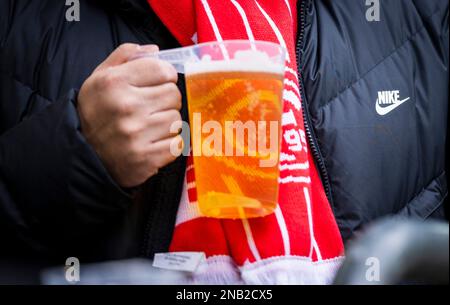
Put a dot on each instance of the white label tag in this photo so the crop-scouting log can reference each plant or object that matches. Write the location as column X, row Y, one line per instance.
column 180, row 261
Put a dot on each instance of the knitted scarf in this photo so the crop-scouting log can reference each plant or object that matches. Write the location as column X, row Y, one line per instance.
column 300, row 242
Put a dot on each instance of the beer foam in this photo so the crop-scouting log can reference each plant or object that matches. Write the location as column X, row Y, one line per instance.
column 243, row 61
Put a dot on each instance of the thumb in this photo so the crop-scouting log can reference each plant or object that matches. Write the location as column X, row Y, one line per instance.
column 126, row 52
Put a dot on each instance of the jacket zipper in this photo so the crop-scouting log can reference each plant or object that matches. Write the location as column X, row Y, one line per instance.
column 314, row 146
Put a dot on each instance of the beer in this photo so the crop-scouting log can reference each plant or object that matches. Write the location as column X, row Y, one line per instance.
column 235, row 116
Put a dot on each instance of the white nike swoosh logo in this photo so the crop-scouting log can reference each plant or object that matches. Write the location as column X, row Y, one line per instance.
column 385, row 110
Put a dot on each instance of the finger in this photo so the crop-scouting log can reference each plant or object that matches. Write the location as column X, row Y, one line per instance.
column 124, row 53
column 144, row 72
column 160, row 98
column 162, row 152
column 163, row 125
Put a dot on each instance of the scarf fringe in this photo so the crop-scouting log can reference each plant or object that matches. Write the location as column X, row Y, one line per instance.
column 280, row 270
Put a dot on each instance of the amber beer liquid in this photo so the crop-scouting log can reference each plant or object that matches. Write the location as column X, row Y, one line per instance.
column 235, row 185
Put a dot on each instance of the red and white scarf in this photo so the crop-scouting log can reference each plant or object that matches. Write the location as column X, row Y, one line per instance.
column 300, row 242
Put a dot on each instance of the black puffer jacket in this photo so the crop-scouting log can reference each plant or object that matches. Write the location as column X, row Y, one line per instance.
column 376, row 161
column 57, row 199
